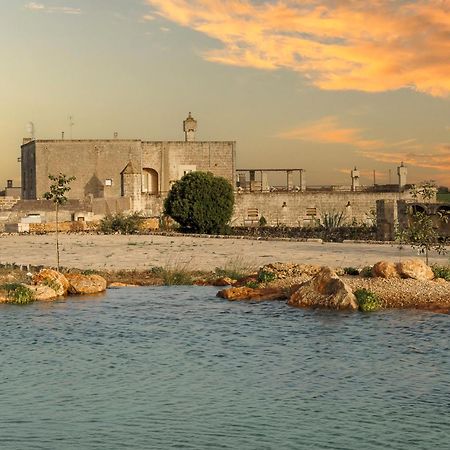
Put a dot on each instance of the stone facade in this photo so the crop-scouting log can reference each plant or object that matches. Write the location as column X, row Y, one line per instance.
column 108, row 169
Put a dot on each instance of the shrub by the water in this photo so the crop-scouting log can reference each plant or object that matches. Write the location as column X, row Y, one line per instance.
column 121, row 223
column 18, row 293
column 235, row 268
column 351, row 271
column 265, row 276
column 367, row 300
column 366, row 272
column 441, row 272
column 201, row 203
column 173, row 276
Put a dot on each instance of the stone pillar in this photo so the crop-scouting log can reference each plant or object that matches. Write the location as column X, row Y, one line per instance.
column 386, row 219
column 402, row 172
column 289, row 179
column 264, row 181
column 355, row 179
column 302, row 180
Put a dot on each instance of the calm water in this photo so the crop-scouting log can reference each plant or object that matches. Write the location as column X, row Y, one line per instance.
column 157, row 368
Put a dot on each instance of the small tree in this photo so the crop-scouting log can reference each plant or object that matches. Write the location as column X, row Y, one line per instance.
column 57, row 194
column 200, row 202
column 421, row 234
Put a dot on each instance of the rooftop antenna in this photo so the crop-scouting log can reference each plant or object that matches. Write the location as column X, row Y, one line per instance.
column 30, row 130
column 71, row 124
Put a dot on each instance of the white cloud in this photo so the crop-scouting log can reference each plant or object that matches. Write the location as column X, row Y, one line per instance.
column 40, row 7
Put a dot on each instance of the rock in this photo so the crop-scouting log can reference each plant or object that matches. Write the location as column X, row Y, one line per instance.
column 415, row 269
column 440, row 280
column 53, row 279
column 223, row 281
column 86, row 284
column 258, row 294
column 3, row 297
column 117, row 285
column 385, row 269
column 43, row 293
column 325, row 290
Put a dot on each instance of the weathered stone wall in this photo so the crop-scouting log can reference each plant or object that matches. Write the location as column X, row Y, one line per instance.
column 98, row 164
column 304, row 208
column 92, row 162
column 6, row 203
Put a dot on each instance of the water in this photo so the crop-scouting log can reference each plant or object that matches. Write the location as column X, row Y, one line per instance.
column 162, row 368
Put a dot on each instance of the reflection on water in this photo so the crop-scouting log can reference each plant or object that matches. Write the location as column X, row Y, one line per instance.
column 160, row 367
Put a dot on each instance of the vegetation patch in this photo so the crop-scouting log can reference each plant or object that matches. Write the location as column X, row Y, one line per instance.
column 441, row 272
column 18, row 294
column 366, row 272
column 351, row 271
column 236, row 269
column 121, row 223
column 367, row 300
column 264, row 276
column 173, row 276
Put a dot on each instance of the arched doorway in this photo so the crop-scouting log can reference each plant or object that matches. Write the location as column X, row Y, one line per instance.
column 150, row 181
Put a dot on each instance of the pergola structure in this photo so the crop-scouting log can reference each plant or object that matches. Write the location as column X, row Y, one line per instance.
column 260, row 183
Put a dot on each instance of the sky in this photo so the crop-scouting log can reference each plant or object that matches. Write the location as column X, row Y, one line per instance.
column 322, row 85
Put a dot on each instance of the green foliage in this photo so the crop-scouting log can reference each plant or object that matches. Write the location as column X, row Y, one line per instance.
column 200, row 202
column 173, row 276
column 252, row 284
column 351, row 271
column 121, row 223
column 425, row 191
column 236, row 269
column 52, row 284
column 265, row 276
column 367, row 300
column 59, row 188
column 331, row 220
column 366, row 272
column 262, row 221
column 421, row 234
column 441, row 272
column 18, row 294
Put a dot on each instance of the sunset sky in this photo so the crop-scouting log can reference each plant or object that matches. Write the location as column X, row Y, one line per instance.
column 319, row 85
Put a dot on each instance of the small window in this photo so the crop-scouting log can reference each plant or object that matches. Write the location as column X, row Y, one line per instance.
column 108, row 182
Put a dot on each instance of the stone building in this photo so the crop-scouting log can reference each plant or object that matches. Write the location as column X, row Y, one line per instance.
column 131, row 170
column 118, row 175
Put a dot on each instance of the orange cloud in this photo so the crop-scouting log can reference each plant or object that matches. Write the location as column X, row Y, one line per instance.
column 436, row 159
column 369, row 46
column 328, row 131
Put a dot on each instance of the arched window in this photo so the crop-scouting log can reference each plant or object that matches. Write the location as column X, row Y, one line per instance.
column 150, row 181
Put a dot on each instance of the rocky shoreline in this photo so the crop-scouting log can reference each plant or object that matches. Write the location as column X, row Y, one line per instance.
column 409, row 284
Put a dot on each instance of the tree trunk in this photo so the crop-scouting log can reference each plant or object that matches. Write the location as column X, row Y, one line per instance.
column 57, row 238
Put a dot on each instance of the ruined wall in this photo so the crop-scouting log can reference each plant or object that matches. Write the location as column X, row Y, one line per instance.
column 6, row 203
column 303, row 208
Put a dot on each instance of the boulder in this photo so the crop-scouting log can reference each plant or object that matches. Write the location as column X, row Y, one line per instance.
column 53, row 279
column 86, row 284
column 325, row 290
column 118, row 284
column 255, row 294
column 223, row 281
column 43, row 293
column 415, row 269
column 385, row 269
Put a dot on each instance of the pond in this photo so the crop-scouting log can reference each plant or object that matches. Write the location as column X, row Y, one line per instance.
column 176, row 367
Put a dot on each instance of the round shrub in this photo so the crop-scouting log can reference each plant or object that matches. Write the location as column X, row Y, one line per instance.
column 200, row 203
column 17, row 293
column 367, row 300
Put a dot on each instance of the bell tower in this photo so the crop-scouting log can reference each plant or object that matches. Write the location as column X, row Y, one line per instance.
column 189, row 128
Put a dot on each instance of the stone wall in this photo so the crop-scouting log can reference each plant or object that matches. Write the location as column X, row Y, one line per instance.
column 6, row 203
column 305, row 208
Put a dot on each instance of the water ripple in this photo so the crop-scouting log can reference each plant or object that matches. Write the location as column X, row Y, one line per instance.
column 163, row 368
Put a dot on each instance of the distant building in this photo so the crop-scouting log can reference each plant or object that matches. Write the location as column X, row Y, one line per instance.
column 123, row 169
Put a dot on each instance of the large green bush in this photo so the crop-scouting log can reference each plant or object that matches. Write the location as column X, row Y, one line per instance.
column 201, row 203
column 18, row 293
column 367, row 300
